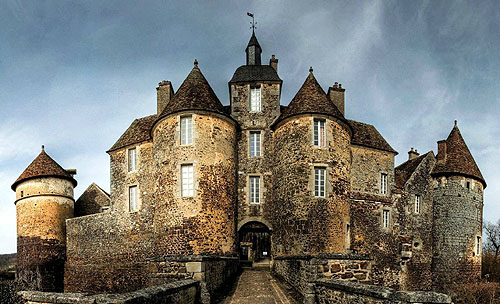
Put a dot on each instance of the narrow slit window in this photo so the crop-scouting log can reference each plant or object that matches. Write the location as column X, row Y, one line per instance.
column 385, row 218
column 319, row 133
column 255, row 100
column 417, row 203
column 186, row 130
column 132, row 159
column 255, row 189
column 319, row 181
column 383, row 183
column 254, row 143
column 478, row 245
column 187, row 180
column 132, row 198
column 348, row 236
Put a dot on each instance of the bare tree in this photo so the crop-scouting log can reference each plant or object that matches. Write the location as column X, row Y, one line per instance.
column 492, row 242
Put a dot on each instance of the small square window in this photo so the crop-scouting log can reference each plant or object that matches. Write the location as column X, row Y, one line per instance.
column 186, row 130
column 319, row 133
column 319, row 181
column 132, row 159
column 255, row 99
column 255, row 143
column 255, row 189
column 132, row 198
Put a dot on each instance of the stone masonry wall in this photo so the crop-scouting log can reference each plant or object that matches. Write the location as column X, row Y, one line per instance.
column 367, row 166
column 303, row 223
column 457, row 222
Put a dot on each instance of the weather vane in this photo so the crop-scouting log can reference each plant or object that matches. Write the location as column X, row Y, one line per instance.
column 253, row 23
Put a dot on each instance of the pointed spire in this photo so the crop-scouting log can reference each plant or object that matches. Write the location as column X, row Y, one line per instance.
column 43, row 166
column 195, row 93
column 455, row 158
column 253, row 51
column 311, row 99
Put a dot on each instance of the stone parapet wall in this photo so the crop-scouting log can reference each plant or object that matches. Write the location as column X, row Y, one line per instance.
column 179, row 292
column 338, row 291
column 301, row 271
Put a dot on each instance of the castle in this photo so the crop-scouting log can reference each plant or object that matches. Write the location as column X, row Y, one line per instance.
column 198, row 187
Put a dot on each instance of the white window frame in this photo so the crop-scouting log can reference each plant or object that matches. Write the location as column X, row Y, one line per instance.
column 418, row 200
column 319, row 132
column 383, row 183
column 319, row 181
column 477, row 248
column 255, row 143
column 254, row 189
column 187, row 180
column 132, row 161
column 385, row 218
column 255, row 99
column 186, row 130
column 133, row 198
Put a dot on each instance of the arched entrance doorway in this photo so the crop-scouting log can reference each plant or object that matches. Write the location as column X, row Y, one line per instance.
column 255, row 241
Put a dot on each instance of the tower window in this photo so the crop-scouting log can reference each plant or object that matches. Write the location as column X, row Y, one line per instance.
column 467, row 185
column 319, row 181
column 417, row 203
column 319, row 133
column 22, row 193
column 255, row 99
column 132, row 198
column 132, row 159
column 348, row 236
column 186, row 130
column 187, row 180
column 385, row 218
column 255, row 143
column 255, row 189
column 478, row 245
column 383, row 183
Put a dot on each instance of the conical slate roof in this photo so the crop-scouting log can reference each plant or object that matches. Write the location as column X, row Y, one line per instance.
column 311, row 99
column 458, row 159
column 253, row 41
column 194, row 94
column 43, row 166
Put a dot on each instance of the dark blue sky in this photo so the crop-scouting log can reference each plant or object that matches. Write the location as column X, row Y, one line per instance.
column 74, row 74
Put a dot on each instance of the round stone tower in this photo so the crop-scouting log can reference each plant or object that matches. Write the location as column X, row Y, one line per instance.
column 44, row 200
column 457, row 212
column 194, row 143
column 310, row 212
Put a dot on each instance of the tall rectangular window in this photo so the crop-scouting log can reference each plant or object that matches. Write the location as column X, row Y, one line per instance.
column 383, row 183
column 132, row 198
column 417, row 203
column 186, row 130
column 255, row 189
column 255, row 104
column 319, row 181
column 187, row 179
column 478, row 245
column 385, row 218
column 348, row 236
column 319, row 133
column 132, row 160
column 255, row 143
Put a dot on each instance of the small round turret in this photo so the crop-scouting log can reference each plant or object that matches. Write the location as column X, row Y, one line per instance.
column 44, row 200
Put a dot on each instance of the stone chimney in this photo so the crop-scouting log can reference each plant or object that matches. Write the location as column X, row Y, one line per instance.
column 441, row 156
column 273, row 62
column 336, row 95
column 412, row 154
column 164, row 93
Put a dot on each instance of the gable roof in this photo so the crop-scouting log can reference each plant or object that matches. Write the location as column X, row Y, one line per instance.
column 249, row 73
column 195, row 93
column 458, row 159
column 403, row 172
column 368, row 136
column 310, row 99
column 91, row 200
column 138, row 131
column 43, row 166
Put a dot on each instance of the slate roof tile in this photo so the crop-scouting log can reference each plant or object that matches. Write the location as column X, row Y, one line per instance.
column 137, row 132
column 368, row 136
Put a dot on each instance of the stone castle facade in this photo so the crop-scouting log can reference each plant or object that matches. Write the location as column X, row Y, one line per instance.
column 199, row 186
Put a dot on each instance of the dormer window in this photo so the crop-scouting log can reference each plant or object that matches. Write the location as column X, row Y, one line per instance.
column 255, row 100
column 319, row 133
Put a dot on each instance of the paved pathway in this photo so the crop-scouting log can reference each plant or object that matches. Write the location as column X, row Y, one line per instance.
column 259, row 287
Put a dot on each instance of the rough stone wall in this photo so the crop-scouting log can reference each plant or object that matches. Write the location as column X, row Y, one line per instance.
column 8, row 292
column 417, row 227
column 302, row 223
column 261, row 166
column 42, row 206
column 204, row 223
column 367, row 166
column 91, row 201
column 457, row 222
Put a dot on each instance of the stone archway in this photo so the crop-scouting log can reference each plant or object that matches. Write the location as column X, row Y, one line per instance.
column 255, row 241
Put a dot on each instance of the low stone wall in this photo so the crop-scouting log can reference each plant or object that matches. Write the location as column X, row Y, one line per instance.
column 348, row 292
column 301, row 271
column 180, row 292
